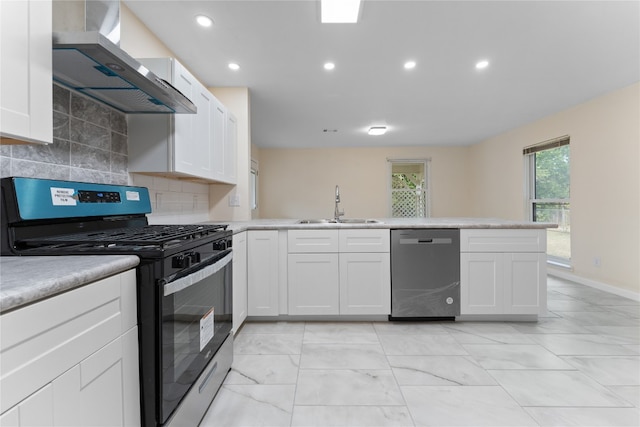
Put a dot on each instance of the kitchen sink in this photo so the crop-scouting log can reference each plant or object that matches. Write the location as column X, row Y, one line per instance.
column 342, row 220
column 359, row 221
column 316, row 221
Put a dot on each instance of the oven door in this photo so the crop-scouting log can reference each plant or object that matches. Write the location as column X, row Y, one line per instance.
column 196, row 319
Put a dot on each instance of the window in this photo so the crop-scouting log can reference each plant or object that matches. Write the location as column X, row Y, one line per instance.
column 547, row 186
column 409, row 195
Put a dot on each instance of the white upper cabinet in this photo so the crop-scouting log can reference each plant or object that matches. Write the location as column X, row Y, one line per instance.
column 183, row 145
column 223, row 154
column 26, row 99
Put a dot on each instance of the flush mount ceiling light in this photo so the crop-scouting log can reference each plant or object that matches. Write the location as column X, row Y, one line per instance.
column 410, row 65
column 377, row 130
column 329, row 66
column 233, row 66
column 339, row 11
column 204, row 21
column 481, row 65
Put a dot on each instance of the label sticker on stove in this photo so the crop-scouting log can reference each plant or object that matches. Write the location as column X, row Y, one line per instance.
column 63, row 196
column 133, row 196
column 206, row 328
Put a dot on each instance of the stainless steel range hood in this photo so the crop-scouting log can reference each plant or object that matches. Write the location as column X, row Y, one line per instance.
column 87, row 58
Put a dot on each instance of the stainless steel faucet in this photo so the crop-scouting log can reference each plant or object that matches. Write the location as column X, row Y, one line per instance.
column 337, row 213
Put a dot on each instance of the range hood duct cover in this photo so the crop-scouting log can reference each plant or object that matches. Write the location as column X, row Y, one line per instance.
column 88, row 59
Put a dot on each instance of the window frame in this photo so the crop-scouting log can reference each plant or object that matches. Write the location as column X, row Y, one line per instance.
column 427, row 184
column 530, row 199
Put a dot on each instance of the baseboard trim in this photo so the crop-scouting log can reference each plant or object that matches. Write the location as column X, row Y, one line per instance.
column 593, row 283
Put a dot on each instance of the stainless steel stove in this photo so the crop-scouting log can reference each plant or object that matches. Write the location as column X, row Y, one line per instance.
column 184, row 286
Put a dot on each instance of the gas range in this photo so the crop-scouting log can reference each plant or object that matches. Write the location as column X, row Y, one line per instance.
column 184, row 281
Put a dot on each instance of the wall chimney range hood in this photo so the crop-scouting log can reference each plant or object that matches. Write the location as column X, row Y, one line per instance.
column 88, row 59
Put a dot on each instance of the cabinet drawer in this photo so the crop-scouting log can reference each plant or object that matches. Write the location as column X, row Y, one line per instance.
column 364, row 240
column 312, row 241
column 503, row 240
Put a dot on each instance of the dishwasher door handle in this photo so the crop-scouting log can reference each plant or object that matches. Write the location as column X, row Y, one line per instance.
column 427, row 241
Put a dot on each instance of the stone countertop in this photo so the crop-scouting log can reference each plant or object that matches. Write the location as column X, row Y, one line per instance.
column 24, row 280
column 462, row 223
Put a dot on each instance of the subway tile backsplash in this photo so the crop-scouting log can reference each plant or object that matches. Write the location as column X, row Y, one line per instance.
column 174, row 201
column 90, row 144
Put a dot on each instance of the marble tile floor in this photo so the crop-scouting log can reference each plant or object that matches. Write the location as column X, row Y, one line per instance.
column 577, row 366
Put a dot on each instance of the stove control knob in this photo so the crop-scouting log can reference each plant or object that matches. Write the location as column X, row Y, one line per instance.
column 194, row 257
column 220, row 245
column 181, row 261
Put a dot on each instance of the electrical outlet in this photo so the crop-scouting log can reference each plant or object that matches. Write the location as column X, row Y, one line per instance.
column 234, row 200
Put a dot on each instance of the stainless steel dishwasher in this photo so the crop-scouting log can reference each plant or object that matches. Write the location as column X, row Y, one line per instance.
column 425, row 274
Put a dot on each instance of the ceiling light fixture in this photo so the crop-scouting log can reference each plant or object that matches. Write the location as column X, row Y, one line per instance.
column 204, row 21
column 233, row 66
column 409, row 65
column 482, row 64
column 339, row 11
column 377, row 130
column 329, row 66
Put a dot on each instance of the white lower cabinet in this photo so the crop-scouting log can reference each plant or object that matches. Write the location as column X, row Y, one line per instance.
column 239, row 272
column 263, row 272
column 72, row 360
column 328, row 275
column 314, row 283
column 365, row 283
column 503, row 272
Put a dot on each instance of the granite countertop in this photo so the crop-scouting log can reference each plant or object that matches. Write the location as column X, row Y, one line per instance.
column 24, row 280
column 388, row 223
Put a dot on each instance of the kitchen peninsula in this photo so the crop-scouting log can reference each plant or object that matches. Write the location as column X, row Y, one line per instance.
column 502, row 268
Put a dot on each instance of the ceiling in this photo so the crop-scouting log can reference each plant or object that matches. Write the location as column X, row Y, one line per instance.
column 545, row 56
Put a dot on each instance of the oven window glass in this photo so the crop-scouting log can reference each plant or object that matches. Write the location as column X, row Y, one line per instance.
column 196, row 321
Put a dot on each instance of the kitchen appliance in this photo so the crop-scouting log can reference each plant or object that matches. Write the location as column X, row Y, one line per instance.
column 87, row 57
column 184, row 288
column 425, row 274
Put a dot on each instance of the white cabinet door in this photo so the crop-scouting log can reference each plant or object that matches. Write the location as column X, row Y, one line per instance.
column 26, row 99
column 313, row 281
column 239, row 280
column 201, row 155
column 365, row 283
column 219, row 113
column 34, row 411
column 91, row 393
column 525, row 283
column 184, row 140
column 481, row 283
column 230, row 149
column 263, row 272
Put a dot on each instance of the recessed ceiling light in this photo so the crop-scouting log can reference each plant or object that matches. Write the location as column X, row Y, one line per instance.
column 482, row 64
column 410, row 65
column 329, row 66
column 204, row 21
column 339, row 11
column 233, row 66
column 377, row 130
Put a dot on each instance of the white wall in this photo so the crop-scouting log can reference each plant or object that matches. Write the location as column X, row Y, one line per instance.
column 300, row 183
column 605, row 182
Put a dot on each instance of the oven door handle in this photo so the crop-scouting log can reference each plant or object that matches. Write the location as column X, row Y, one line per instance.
column 197, row 276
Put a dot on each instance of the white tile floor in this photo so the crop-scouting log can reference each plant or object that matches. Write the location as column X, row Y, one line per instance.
column 580, row 366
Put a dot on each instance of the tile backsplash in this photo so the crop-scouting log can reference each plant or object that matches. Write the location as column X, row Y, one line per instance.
column 174, row 201
column 90, row 144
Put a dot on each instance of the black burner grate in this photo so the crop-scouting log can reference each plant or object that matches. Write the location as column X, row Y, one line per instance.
column 149, row 235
